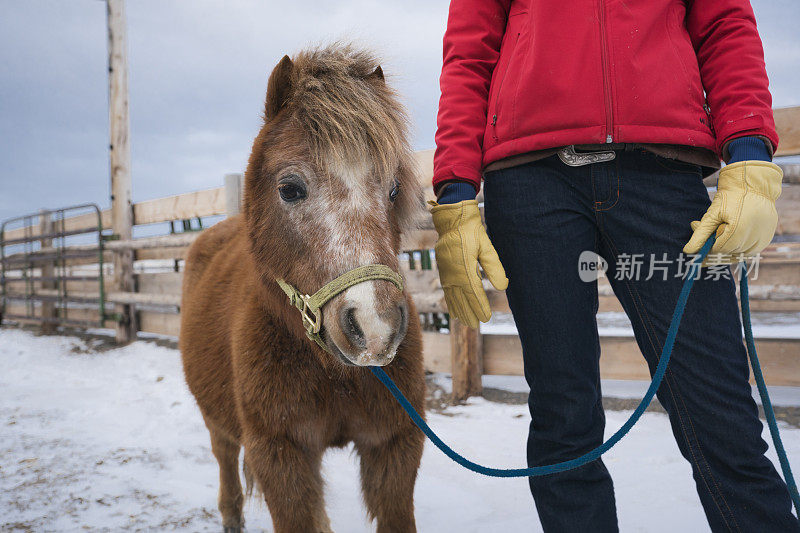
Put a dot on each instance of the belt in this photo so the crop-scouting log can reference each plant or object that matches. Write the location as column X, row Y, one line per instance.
column 578, row 155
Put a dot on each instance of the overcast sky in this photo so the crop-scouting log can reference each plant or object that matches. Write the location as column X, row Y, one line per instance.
column 198, row 73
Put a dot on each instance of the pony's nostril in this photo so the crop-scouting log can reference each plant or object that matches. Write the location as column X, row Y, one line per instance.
column 402, row 325
column 351, row 328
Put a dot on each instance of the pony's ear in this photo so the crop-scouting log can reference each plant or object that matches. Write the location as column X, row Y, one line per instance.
column 377, row 74
column 278, row 87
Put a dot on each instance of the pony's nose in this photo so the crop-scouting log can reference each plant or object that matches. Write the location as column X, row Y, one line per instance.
column 375, row 335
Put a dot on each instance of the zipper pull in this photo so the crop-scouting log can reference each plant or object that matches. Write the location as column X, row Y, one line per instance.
column 707, row 109
column 494, row 120
column 609, row 139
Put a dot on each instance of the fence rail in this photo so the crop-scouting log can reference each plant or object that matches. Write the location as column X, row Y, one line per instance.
column 467, row 354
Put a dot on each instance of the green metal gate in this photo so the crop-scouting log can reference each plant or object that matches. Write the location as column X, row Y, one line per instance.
column 37, row 267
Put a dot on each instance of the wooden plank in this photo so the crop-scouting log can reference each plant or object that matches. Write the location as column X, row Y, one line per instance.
column 791, row 173
column 204, row 203
column 159, row 323
column 136, row 298
column 233, row 194
column 124, row 298
column 178, row 240
column 502, row 355
column 160, row 283
column 466, row 361
column 424, row 161
column 161, row 253
column 419, row 240
column 425, row 288
column 87, row 314
column 787, row 122
column 76, row 223
column 788, row 206
column 422, row 281
column 436, row 352
column 149, row 321
column 621, row 358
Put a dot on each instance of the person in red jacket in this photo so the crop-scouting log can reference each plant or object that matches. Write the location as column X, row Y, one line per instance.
column 592, row 124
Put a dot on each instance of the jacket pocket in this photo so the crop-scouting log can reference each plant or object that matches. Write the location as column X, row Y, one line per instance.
column 684, row 53
column 504, row 65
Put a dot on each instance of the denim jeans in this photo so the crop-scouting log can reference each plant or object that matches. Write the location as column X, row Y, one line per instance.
column 636, row 209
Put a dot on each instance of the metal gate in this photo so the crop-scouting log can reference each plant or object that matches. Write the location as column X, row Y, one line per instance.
column 39, row 270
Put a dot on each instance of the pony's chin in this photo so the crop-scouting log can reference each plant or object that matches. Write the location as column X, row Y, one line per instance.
column 368, row 359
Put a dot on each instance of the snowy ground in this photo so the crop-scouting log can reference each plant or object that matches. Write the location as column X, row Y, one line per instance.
column 107, row 440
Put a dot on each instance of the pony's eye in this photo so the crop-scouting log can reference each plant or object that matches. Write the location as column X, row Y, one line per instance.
column 395, row 191
column 291, row 192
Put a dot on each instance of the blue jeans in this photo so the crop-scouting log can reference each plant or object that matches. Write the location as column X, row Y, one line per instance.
column 540, row 217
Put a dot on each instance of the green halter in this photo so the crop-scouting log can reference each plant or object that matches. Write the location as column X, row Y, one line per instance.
column 310, row 307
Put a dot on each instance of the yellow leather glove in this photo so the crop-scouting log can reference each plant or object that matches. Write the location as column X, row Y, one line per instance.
column 463, row 244
column 742, row 212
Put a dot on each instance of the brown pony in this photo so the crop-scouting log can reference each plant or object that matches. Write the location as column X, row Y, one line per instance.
column 329, row 186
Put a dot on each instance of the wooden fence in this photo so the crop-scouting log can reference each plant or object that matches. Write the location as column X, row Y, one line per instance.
column 467, row 354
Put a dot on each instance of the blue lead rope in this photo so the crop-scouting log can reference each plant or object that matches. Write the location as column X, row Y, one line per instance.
column 769, row 413
column 658, row 376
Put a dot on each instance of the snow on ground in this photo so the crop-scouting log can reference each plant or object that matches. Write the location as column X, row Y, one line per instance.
column 106, row 440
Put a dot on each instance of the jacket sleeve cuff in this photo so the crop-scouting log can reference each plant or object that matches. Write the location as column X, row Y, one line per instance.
column 748, row 148
column 453, row 192
column 753, row 125
column 456, row 173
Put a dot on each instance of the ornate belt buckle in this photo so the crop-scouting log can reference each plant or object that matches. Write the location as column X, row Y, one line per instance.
column 570, row 157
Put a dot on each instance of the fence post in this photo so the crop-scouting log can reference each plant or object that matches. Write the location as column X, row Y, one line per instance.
column 233, row 194
column 120, row 162
column 47, row 271
column 466, row 353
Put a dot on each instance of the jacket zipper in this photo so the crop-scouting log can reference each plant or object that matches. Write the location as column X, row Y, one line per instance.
column 606, row 74
column 707, row 109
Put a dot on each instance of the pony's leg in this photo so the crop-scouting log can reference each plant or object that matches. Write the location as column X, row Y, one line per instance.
column 289, row 477
column 388, row 474
column 230, row 487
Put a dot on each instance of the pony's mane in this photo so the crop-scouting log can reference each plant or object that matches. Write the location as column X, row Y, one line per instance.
column 347, row 110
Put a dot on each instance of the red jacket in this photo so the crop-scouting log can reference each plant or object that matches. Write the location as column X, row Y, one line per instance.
column 524, row 75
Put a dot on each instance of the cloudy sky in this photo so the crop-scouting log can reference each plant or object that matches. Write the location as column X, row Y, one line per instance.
column 198, row 73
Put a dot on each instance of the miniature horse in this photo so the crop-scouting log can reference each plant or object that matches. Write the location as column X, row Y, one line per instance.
column 330, row 185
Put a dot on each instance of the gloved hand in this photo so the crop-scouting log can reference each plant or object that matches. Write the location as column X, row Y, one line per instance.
column 462, row 244
column 742, row 212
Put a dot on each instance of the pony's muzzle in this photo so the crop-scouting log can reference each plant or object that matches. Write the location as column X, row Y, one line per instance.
column 369, row 334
